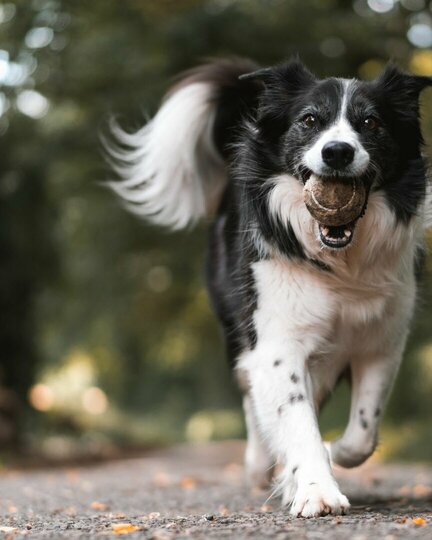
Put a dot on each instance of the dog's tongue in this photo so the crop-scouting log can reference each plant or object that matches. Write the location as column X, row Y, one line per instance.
column 335, row 202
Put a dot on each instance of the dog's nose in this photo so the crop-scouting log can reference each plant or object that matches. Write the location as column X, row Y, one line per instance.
column 337, row 155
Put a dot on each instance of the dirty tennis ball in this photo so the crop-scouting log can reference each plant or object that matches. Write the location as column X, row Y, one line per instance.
column 334, row 202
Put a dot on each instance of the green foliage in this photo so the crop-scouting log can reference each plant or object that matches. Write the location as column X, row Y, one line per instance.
column 81, row 277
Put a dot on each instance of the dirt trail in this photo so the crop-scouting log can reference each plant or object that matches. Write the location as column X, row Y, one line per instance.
column 198, row 492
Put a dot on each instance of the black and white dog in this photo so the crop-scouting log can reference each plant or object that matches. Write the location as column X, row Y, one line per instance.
column 301, row 303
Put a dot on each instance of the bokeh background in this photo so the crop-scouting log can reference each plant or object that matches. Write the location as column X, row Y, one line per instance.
column 107, row 342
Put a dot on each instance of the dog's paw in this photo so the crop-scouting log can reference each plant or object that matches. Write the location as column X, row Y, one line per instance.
column 318, row 499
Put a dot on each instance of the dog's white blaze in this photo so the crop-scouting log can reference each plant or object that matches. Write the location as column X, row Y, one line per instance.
column 340, row 131
column 170, row 169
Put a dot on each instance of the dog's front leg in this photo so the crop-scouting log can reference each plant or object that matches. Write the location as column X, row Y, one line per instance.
column 281, row 392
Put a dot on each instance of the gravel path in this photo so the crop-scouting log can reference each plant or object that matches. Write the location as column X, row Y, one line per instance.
column 198, row 492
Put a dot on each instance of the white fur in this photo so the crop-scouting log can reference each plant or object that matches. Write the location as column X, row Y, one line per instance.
column 340, row 131
column 288, row 332
column 171, row 173
column 318, row 323
column 258, row 460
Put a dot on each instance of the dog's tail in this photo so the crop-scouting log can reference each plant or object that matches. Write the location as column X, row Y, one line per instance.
column 173, row 171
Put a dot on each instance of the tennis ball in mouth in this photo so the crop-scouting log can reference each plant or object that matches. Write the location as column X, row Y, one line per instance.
column 335, row 202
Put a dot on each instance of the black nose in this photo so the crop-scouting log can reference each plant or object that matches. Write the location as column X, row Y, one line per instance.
column 337, row 155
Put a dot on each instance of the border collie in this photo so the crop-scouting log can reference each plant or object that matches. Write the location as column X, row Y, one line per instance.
column 301, row 304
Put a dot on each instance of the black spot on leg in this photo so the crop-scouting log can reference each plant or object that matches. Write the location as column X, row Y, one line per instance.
column 277, row 362
column 361, row 412
column 364, row 423
column 294, row 378
column 280, row 409
column 312, row 483
column 293, row 398
column 295, row 469
column 377, row 412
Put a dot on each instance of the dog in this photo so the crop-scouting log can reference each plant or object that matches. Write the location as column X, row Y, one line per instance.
column 301, row 303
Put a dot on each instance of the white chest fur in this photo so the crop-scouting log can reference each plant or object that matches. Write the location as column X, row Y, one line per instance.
column 333, row 317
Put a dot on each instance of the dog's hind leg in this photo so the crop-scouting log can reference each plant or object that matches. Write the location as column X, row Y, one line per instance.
column 258, row 460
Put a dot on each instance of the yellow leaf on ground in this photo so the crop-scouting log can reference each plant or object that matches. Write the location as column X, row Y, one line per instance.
column 6, row 529
column 419, row 521
column 124, row 528
column 98, row 505
column 187, row 482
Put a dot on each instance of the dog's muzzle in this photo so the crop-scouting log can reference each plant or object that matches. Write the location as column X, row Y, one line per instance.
column 336, row 203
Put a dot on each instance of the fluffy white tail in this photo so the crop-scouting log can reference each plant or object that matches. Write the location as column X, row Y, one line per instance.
column 171, row 172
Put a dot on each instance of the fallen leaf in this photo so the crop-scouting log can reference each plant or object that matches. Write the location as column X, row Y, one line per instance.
column 154, row 515
column 187, row 482
column 98, row 505
column 421, row 490
column 266, row 508
column 6, row 529
column 419, row 521
column 124, row 528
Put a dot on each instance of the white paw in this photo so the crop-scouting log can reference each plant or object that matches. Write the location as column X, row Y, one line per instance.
column 318, row 499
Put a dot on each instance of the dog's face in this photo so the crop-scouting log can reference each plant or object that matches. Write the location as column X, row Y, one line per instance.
column 341, row 128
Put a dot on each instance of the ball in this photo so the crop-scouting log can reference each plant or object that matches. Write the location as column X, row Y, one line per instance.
column 335, row 202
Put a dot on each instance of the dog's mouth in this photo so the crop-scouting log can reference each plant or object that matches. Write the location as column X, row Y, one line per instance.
column 336, row 237
column 336, row 204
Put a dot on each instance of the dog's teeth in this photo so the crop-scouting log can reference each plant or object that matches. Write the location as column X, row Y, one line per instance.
column 347, row 232
column 325, row 231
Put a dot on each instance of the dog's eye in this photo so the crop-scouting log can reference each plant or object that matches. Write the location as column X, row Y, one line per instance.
column 370, row 123
column 309, row 120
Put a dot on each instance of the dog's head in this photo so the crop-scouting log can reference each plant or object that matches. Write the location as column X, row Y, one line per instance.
column 341, row 129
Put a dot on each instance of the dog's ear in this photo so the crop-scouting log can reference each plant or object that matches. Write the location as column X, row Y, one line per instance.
column 401, row 90
column 288, row 76
column 280, row 85
column 262, row 74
